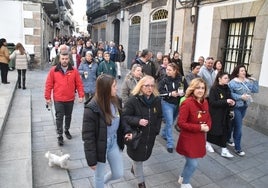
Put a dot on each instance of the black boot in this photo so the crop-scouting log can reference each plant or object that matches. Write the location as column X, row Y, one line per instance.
column 132, row 170
column 142, row 185
column 19, row 79
column 68, row 135
column 19, row 83
column 60, row 141
column 23, row 83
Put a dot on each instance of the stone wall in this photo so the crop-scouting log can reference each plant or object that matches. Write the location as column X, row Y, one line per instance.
column 33, row 22
column 257, row 113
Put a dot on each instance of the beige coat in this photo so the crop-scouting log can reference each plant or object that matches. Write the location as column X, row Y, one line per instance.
column 4, row 55
column 21, row 61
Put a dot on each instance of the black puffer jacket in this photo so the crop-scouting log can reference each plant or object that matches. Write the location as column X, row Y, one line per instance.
column 135, row 109
column 94, row 134
column 169, row 84
column 219, row 109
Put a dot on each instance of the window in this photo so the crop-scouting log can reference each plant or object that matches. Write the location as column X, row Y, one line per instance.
column 136, row 20
column 239, row 43
column 157, row 32
column 160, row 15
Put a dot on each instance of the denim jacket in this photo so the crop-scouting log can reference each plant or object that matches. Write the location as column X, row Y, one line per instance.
column 240, row 88
column 89, row 82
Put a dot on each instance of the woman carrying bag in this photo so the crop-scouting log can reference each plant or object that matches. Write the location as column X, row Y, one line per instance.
column 21, row 63
column 142, row 111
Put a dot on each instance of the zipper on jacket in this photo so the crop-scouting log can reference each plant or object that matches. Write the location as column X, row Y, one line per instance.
column 149, row 130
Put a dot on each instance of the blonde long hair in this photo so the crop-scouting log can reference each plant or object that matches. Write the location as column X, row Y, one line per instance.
column 193, row 85
column 137, row 88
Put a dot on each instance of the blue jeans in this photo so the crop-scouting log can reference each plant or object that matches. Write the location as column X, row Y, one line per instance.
column 138, row 171
column 189, row 168
column 170, row 112
column 236, row 127
column 114, row 158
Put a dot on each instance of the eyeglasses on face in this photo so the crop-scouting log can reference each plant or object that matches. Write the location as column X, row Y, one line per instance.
column 149, row 85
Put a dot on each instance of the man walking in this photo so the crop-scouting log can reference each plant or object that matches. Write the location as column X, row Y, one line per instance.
column 144, row 60
column 207, row 73
column 62, row 81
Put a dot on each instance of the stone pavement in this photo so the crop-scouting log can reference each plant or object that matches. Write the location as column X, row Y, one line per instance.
column 15, row 143
column 161, row 170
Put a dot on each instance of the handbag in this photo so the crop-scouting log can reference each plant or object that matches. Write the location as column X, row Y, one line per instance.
column 136, row 136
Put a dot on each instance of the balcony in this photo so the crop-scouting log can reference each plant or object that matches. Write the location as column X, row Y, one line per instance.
column 111, row 5
column 97, row 8
column 52, row 10
column 129, row 2
column 66, row 16
column 67, row 19
column 68, row 3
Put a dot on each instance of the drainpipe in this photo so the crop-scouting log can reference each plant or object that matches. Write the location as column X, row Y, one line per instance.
column 42, row 62
column 195, row 30
column 173, row 3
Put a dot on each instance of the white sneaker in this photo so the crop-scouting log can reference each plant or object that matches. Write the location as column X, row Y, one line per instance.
column 225, row 153
column 231, row 143
column 180, row 180
column 187, row 185
column 209, row 147
column 240, row 153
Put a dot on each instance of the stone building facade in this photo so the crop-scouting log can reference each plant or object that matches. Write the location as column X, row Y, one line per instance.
column 240, row 12
column 35, row 23
column 203, row 28
column 24, row 26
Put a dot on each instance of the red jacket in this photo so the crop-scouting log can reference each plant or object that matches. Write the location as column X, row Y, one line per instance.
column 192, row 141
column 63, row 85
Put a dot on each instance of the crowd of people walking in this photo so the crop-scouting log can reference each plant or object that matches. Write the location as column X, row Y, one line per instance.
column 206, row 104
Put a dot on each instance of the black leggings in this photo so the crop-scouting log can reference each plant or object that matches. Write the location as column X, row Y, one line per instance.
column 21, row 72
column 4, row 71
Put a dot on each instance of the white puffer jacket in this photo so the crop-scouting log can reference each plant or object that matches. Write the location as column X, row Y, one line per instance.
column 21, row 61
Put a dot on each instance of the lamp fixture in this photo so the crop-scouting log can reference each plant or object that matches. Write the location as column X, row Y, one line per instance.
column 193, row 9
column 122, row 13
column 187, row 3
column 191, row 5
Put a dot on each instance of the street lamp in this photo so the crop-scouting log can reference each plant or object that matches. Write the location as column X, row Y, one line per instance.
column 193, row 5
column 187, row 3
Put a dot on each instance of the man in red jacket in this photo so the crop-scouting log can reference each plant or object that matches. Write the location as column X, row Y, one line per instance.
column 62, row 82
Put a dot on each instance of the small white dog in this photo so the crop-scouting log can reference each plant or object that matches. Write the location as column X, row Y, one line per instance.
column 54, row 159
